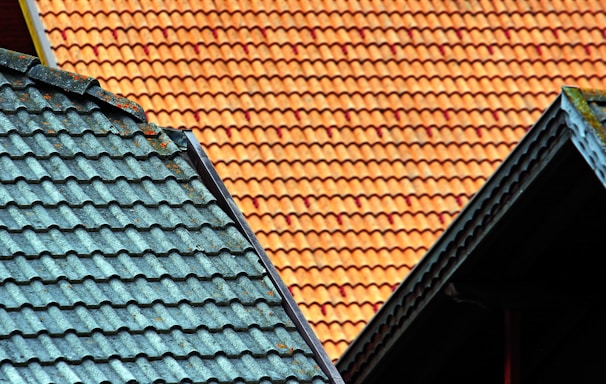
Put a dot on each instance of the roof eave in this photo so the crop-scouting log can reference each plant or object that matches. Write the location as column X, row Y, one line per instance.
column 477, row 219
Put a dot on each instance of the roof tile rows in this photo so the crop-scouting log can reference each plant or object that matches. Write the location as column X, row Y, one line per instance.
column 349, row 132
column 541, row 205
column 117, row 263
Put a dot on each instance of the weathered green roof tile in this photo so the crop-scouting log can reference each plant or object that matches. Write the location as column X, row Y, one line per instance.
column 117, row 263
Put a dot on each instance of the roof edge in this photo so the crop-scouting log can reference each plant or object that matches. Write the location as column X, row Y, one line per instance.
column 214, row 183
column 70, row 82
column 589, row 134
column 454, row 245
column 579, row 100
column 36, row 31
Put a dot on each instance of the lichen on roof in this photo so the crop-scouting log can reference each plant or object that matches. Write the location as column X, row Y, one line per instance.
column 117, row 264
column 582, row 100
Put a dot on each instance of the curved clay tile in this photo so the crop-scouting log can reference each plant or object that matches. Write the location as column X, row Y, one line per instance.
column 361, row 109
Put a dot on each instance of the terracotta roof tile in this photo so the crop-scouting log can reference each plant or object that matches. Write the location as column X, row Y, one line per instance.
column 349, row 132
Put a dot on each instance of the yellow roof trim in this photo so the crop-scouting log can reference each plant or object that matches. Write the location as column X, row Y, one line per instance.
column 36, row 31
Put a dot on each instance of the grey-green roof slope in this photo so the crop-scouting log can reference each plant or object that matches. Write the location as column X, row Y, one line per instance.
column 117, row 263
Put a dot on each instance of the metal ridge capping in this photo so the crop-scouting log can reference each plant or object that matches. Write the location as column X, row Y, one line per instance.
column 210, row 176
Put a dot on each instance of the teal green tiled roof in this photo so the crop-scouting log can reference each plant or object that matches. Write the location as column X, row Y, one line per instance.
column 116, row 262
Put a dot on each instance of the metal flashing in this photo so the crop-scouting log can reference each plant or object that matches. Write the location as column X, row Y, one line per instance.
column 178, row 136
column 217, row 188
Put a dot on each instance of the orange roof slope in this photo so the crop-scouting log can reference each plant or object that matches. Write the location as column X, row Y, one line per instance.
column 350, row 133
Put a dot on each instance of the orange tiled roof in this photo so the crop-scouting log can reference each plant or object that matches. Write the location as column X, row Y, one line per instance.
column 350, row 133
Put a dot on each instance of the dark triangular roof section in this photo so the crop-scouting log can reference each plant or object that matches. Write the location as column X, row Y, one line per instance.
column 522, row 226
column 123, row 257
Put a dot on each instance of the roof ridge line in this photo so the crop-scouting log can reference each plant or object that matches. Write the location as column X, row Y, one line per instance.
column 68, row 81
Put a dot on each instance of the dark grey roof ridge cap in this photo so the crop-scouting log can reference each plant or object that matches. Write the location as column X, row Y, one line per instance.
column 68, row 81
column 126, row 105
column 16, row 61
column 425, row 278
